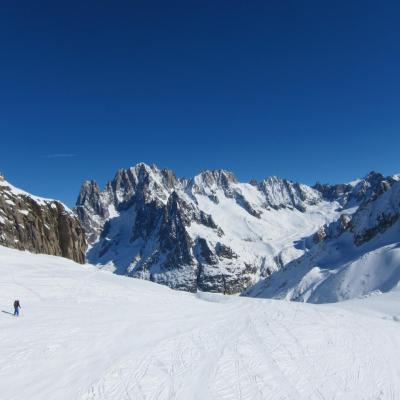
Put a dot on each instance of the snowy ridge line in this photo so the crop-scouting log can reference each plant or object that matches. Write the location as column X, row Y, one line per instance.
column 40, row 200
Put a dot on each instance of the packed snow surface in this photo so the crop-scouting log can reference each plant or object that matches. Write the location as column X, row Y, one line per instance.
column 88, row 334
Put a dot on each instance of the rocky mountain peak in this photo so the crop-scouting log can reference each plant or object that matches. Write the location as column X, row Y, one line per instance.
column 149, row 182
column 374, row 215
column 369, row 188
column 358, row 192
column 89, row 195
column 208, row 182
column 214, row 179
column 282, row 193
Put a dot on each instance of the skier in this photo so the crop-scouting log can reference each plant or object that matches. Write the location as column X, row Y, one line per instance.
column 17, row 306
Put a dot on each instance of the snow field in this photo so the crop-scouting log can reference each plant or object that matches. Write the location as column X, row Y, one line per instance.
column 87, row 334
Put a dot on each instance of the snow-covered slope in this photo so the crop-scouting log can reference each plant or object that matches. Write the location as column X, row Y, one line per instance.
column 208, row 233
column 356, row 255
column 87, row 334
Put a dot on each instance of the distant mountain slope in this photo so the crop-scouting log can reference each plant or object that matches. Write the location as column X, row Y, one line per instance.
column 354, row 256
column 39, row 225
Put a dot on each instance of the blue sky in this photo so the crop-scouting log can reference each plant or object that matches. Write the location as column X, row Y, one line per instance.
column 305, row 90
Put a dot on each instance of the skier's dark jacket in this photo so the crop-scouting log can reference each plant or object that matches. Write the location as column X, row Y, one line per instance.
column 16, row 304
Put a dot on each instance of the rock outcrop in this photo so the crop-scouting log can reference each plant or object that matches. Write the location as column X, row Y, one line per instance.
column 358, row 192
column 39, row 225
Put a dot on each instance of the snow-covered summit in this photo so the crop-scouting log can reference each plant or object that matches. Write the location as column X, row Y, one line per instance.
column 13, row 191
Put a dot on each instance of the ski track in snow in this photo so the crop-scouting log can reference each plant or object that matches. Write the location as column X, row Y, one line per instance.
column 86, row 334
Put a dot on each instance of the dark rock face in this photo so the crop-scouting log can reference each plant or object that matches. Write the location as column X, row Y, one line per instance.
column 206, row 255
column 377, row 215
column 281, row 193
column 369, row 188
column 173, row 235
column 366, row 195
column 224, row 251
column 320, row 235
column 333, row 192
column 383, row 223
column 361, row 192
column 91, row 204
column 379, row 210
column 39, row 226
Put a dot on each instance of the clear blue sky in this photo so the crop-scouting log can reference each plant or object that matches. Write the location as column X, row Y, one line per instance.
column 304, row 90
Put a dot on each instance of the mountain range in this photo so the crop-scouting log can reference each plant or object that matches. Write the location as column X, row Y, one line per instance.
column 211, row 233
column 268, row 238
